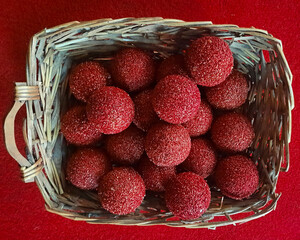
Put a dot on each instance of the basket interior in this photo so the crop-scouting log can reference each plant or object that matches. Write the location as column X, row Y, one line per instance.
column 257, row 54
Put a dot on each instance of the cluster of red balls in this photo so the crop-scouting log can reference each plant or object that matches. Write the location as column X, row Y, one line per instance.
column 152, row 122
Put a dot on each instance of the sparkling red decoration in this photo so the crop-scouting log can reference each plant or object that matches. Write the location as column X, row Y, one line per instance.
column 111, row 109
column 87, row 77
column 144, row 115
column 232, row 132
column 167, row 144
column 202, row 158
column 230, row 94
column 121, row 191
column 176, row 99
column 187, row 196
column 133, row 69
column 173, row 65
column 86, row 166
column 201, row 122
column 155, row 177
column 126, row 147
column 237, row 177
column 209, row 60
column 77, row 129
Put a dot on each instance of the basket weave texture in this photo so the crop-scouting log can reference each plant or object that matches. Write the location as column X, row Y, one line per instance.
column 51, row 53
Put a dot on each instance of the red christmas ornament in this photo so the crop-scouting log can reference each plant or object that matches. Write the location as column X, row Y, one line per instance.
column 176, row 99
column 87, row 77
column 86, row 166
column 209, row 61
column 155, row 177
column 237, row 177
column 230, row 94
column 173, row 65
column 167, row 144
column 144, row 115
column 133, row 69
column 111, row 109
column 77, row 129
column 201, row 122
column 202, row 159
column 126, row 147
column 187, row 196
column 232, row 132
column 121, row 191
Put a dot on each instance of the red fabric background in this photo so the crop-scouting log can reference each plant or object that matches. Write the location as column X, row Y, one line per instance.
column 22, row 214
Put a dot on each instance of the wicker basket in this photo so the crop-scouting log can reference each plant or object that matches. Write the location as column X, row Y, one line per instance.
column 46, row 96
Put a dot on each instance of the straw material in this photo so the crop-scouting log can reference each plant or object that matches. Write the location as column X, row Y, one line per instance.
column 51, row 53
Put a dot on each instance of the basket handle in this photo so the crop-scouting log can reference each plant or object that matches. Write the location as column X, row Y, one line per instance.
column 23, row 93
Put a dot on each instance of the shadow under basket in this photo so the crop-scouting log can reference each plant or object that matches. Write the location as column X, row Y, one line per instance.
column 46, row 96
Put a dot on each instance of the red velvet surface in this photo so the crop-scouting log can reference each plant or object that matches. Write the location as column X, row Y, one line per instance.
column 22, row 213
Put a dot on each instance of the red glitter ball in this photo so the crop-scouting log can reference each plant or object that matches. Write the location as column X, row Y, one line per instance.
column 176, row 99
column 86, row 166
column 121, row 191
column 111, row 109
column 202, row 159
column 230, row 94
column 144, row 115
column 87, row 77
column 155, row 177
column 201, row 123
column 209, row 60
column 187, row 196
column 167, row 144
column 237, row 177
column 133, row 69
column 173, row 65
column 232, row 132
column 126, row 147
column 77, row 129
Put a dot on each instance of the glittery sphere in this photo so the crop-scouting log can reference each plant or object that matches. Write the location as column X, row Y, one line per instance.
column 77, row 129
column 121, row 191
column 173, row 65
column 111, row 109
column 133, row 69
column 209, row 60
column 167, row 144
column 126, row 147
column 232, row 132
column 87, row 77
column 144, row 115
column 176, row 99
column 201, row 122
column 230, row 94
column 202, row 159
column 237, row 177
column 86, row 166
column 155, row 177
column 187, row 196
